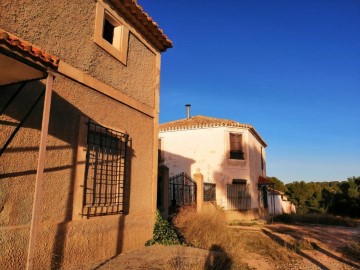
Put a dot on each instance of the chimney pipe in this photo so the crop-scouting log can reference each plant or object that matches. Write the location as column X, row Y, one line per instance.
column 188, row 111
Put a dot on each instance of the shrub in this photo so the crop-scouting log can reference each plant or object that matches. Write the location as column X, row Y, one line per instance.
column 164, row 233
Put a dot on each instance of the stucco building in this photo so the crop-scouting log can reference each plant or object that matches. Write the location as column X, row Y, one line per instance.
column 227, row 153
column 282, row 204
column 79, row 101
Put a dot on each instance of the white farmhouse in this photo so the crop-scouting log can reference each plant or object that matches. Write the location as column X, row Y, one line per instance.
column 227, row 153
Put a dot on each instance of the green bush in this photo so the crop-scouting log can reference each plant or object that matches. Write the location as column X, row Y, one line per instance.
column 164, row 233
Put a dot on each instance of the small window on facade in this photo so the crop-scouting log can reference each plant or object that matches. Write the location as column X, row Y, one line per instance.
column 110, row 33
column 105, row 171
column 262, row 159
column 236, row 149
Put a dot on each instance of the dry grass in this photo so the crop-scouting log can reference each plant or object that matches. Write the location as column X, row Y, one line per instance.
column 258, row 243
column 321, row 219
column 352, row 249
column 210, row 231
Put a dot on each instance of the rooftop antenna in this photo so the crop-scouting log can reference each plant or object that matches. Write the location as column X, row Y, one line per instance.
column 188, row 111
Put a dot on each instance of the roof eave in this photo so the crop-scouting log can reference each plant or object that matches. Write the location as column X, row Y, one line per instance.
column 135, row 14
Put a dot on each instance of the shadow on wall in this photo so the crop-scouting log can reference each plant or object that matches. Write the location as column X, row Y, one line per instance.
column 169, row 165
column 238, row 169
column 177, row 164
column 61, row 160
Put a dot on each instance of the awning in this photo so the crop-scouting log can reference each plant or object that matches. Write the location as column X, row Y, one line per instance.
column 263, row 180
column 22, row 62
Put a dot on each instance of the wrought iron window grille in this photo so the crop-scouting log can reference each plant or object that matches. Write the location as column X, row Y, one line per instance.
column 234, row 154
column 105, row 171
column 238, row 196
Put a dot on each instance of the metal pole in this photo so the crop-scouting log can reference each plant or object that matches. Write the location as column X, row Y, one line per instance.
column 273, row 199
column 35, row 218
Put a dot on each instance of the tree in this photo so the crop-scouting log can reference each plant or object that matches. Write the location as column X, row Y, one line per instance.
column 340, row 198
column 279, row 185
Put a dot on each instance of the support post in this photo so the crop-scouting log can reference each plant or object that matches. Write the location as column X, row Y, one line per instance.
column 35, row 218
column 199, row 179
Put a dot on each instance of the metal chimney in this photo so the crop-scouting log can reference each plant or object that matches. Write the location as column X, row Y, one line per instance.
column 188, row 111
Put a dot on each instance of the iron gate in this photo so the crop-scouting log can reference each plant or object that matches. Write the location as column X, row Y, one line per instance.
column 209, row 192
column 182, row 190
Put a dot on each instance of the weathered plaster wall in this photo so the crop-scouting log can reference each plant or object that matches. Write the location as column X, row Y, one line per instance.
column 255, row 167
column 281, row 206
column 66, row 29
column 187, row 150
column 63, row 241
column 207, row 149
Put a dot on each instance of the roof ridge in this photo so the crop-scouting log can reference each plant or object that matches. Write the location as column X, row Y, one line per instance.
column 200, row 121
column 206, row 117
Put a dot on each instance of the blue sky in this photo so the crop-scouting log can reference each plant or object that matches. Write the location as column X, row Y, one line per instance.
column 289, row 68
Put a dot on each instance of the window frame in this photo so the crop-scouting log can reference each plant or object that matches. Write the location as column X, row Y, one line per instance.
column 106, row 202
column 119, row 47
column 236, row 154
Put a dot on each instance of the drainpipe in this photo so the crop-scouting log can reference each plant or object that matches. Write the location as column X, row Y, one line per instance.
column 35, row 217
column 188, row 111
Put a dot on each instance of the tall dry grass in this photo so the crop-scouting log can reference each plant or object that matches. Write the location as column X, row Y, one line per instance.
column 211, row 231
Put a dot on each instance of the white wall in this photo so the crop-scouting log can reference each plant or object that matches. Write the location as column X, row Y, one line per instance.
column 281, row 206
column 207, row 149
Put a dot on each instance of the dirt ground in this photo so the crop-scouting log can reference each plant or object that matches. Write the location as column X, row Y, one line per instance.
column 315, row 247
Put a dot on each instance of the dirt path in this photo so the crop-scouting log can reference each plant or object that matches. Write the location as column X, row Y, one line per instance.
column 316, row 247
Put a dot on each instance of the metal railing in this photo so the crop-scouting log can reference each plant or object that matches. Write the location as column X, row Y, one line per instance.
column 236, row 154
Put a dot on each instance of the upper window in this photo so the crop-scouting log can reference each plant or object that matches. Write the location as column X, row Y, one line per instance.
column 236, row 148
column 105, row 172
column 111, row 34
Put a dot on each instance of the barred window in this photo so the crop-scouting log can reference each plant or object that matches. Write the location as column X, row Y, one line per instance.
column 238, row 195
column 105, row 172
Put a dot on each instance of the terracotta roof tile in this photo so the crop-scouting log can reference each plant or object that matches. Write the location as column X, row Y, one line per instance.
column 264, row 180
column 199, row 121
column 27, row 49
column 147, row 26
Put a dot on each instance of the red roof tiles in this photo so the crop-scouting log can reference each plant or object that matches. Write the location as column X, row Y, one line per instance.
column 264, row 180
column 27, row 49
column 146, row 25
column 199, row 121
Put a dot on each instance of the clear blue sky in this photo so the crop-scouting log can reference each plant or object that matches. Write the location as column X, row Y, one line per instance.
column 289, row 68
